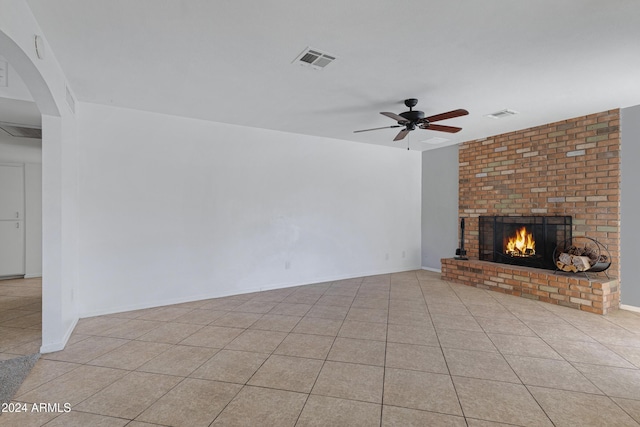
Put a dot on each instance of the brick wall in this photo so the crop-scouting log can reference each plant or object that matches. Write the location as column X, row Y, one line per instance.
column 571, row 167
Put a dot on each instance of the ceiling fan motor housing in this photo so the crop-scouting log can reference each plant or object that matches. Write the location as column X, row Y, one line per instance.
column 412, row 116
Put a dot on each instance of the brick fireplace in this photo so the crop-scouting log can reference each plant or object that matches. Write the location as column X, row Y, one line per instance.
column 568, row 168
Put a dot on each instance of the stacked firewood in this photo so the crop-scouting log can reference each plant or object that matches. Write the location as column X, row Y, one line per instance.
column 576, row 259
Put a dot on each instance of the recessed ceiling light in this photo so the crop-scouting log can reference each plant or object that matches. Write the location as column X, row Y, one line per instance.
column 502, row 114
column 435, row 140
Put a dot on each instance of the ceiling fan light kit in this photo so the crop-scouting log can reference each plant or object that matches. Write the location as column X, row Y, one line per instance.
column 414, row 118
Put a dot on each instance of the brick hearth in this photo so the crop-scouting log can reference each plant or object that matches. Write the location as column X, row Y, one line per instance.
column 571, row 167
column 595, row 294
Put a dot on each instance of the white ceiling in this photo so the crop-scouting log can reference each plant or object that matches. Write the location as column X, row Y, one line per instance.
column 231, row 60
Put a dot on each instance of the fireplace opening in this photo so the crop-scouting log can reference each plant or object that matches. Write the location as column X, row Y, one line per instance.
column 521, row 244
column 528, row 241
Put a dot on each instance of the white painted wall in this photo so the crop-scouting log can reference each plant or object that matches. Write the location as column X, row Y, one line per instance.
column 33, row 219
column 175, row 209
column 439, row 205
column 47, row 85
column 29, row 153
column 20, row 150
column 629, row 206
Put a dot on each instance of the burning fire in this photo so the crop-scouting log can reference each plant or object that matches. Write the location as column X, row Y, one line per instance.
column 522, row 244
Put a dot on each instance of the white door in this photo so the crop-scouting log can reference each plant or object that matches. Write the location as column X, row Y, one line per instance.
column 12, row 220
column 11, row 248
column 11, row 192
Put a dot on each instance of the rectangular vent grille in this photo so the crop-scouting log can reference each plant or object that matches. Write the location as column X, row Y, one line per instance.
column 20, row 131
column 314, row 58
column 502, row 114
column 435, row 140
column 310, row 56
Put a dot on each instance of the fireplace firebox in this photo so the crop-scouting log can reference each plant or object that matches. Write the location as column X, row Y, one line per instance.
column 522, row 240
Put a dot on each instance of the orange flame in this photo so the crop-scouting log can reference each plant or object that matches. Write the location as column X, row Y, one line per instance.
column 522, row 244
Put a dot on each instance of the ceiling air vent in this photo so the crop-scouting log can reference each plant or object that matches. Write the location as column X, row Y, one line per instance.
column 435, row 140
column 502, row 114
column 21, row 131
column 314, row 58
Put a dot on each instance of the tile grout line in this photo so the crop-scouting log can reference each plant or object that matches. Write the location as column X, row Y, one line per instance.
column 526, row 385
column 326, row 356
column 386, row 346
column 514, row 371
column 249, row 379
column 442, row 351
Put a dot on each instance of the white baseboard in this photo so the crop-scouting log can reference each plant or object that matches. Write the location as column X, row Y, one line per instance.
column 230, row 292
column 630, row 308
column 32, row 276
column 435, row 270
column 57, row 346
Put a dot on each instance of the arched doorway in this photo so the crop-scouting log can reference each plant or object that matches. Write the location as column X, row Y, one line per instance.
column 58, row 306
column 20, row 220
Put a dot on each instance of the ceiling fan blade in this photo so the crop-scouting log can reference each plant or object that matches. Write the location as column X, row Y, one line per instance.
column 401, row 135
column 395, row 117
column 441, row 128
column 385, row 127
column 447, row 115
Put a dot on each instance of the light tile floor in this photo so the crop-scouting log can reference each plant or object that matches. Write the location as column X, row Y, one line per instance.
column 20, row 317
column 404, row 349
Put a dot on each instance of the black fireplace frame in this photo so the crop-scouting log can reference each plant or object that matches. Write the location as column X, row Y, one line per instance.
column 492, row 233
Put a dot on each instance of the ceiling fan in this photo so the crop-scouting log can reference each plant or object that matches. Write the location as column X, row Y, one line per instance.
column 412, row 119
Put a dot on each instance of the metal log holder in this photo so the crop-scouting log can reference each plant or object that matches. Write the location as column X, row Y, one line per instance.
column 602, row 258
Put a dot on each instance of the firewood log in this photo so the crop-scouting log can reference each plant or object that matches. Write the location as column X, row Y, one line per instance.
column 581, row 262
column 565, row 258
column 566, row 267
